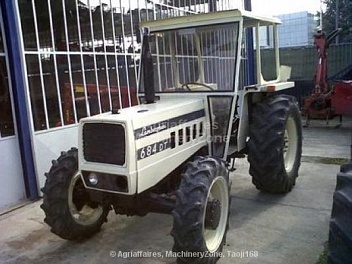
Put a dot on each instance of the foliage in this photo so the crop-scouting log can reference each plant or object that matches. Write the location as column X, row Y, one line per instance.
column 344, row 17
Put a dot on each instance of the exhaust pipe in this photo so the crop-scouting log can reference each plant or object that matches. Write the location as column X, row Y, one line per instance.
column 148, row 69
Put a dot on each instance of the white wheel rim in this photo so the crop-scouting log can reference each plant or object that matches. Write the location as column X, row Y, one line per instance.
column 290, row 144
column 218, row 190
column 87, row 215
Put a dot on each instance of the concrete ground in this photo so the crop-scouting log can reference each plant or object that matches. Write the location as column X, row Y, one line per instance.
column 264, row 228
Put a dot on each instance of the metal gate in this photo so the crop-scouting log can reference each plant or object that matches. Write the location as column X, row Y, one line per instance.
column 12, row 189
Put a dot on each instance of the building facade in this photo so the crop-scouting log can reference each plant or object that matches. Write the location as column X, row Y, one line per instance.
column 297, row 29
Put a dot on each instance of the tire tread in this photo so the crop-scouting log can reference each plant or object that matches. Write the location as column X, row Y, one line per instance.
column 340, row 232
column 187, row 227
column 266, row 144
column 55, row 200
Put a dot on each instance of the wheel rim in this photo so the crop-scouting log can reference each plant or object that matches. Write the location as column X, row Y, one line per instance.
column 82, row 210
column 290, row 144
column 217, row 191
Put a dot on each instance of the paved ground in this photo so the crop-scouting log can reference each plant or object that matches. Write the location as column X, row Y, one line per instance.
column 276, row 229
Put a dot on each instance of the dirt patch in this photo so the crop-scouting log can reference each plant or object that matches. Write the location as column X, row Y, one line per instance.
column 324, row 160
column 30, row 241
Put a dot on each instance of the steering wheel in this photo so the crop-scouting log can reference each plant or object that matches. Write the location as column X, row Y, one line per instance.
column 185, row 86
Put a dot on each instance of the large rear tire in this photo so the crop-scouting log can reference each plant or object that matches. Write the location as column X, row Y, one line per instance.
column 202, row 211
column 275, row 145
column 68, row 209
column 340, row 234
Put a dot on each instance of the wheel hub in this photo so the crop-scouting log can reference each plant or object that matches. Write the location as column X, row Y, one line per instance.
column 213, row 214
column 83, row 211
column 290, row 144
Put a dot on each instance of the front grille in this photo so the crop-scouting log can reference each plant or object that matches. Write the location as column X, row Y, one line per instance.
column 104, row 143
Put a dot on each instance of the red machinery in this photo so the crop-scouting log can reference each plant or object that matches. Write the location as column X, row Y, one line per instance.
column 92, row 95
column 326, row 101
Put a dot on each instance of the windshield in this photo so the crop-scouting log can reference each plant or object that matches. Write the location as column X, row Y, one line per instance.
column 194, row 59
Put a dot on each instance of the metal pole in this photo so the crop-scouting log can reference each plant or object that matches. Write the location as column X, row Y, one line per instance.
column 321, row 15
column 337, row 20
column 250, row 49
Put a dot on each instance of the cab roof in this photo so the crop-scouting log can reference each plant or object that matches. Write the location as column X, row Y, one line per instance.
column 249, row 20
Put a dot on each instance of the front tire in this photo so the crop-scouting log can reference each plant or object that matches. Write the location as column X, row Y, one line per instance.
column 275, row 145
column 68, row 209
column 202, row 211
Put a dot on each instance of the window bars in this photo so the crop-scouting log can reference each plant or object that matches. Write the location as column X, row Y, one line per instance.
column 82, row 56
column 7, row 126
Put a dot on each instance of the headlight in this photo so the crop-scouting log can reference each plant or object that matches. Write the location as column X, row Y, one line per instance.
column 93, row 178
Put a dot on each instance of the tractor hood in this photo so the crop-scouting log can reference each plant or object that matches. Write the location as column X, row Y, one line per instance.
column 141, row 117
column 135, row 139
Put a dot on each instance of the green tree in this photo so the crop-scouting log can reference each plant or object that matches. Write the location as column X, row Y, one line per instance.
column 344, row 18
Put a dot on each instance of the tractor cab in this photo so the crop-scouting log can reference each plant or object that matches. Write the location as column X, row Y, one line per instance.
column 203, row 57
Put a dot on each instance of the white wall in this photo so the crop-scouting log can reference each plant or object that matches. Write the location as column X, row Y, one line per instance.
column 48, row 146
column 12, row 188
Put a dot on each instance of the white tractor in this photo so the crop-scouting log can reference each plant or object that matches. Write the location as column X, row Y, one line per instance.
column 173, row 152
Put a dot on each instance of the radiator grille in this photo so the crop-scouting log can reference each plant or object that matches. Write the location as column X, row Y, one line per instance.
column 104, row 143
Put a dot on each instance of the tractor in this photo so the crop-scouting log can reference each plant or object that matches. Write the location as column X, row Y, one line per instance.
column 173, row 152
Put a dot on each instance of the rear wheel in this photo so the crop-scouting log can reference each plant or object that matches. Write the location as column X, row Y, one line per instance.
column 275, row 145
column 68, row 209
column 201, row 212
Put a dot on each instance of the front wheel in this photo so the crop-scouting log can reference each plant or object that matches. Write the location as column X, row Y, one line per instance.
column 201, row 212
column 275, row 144
column 68, row 209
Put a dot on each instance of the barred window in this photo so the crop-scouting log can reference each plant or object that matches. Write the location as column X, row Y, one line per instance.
column 82, row 56
column 6, row 114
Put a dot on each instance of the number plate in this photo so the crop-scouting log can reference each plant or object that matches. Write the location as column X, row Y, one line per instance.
column 152, row 149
